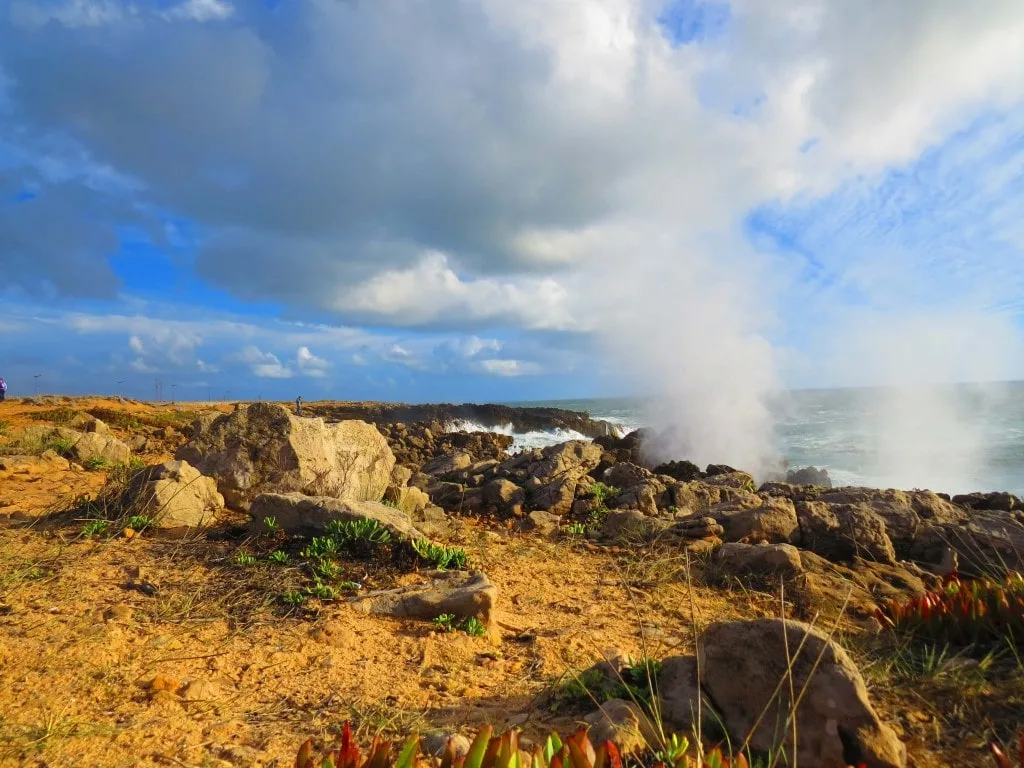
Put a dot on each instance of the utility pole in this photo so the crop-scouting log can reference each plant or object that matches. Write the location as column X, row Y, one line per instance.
column 174, row 394
column 158, row 390
column 35, row 383
column 120, row 392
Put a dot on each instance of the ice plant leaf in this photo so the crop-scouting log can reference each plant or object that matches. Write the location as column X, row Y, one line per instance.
column 477, row 750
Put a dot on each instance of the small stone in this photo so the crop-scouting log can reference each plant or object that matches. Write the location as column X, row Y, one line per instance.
column 434, row 744
column 121, row 613
column 163, row 683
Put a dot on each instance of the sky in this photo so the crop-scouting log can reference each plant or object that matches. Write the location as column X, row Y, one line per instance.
column 454, row 200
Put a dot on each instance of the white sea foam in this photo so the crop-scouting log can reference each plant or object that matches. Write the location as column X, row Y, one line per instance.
column 521, row 441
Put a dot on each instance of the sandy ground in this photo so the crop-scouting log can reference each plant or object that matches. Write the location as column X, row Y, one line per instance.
column 159, row 651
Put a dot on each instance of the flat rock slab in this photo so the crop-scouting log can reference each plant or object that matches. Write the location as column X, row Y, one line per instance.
column 296, row 513
column 464, row 594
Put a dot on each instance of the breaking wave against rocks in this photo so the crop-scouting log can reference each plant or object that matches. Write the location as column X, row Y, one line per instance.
column 969, row 438
column 521, row 441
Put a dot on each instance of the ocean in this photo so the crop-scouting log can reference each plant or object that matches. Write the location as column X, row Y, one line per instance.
column 953, row 439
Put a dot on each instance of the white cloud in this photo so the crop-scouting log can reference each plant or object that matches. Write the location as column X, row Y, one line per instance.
column 309, row 364
column 431, row 293
column 265, row 365
column 136, row 345
column 201, row 10
column 141, row 366
column 506, row 367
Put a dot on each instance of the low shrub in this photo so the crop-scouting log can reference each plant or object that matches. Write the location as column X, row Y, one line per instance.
column 95, row 463
column 977, row 613
column 440, row 557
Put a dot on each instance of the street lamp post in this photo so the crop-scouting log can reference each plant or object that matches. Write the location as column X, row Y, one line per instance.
column 35, row 383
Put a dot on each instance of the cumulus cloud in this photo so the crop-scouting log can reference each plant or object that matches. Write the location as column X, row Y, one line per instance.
column 431, row 293
column 264, row 365
column 309, row 364
column 505, row 367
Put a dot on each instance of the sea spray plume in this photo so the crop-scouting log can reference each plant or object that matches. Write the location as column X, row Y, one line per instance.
column 918, row 429
column 689, row 322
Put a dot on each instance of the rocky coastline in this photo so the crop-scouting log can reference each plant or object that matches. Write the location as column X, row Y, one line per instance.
column 293, row 487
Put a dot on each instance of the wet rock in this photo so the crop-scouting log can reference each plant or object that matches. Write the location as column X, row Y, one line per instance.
column 809, row 476
column 684, row 471
column 742, row 663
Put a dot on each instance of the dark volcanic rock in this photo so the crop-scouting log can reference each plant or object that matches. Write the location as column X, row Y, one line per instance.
column 993, row 502
column 680, row 470
column 809, row 476
column 719, row 469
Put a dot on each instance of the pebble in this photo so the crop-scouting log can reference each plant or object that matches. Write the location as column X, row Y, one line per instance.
column 119, row 613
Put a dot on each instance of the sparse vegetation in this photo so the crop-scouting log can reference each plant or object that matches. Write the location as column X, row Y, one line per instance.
column 95, row 463
column 245, row 560
column 139, row 523
column 440, row 557
column 279, row 557
column 95, row 528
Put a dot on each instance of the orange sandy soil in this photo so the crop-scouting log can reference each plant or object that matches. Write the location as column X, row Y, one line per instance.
column 213, row 670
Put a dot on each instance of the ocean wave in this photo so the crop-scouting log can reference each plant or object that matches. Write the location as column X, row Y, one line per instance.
column 521, row 441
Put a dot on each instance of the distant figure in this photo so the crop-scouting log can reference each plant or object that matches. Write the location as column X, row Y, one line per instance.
column 3, row 390
column 298, row 405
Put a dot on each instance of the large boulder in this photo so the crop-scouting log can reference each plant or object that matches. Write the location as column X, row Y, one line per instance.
column 809, row 476
column 296, row 513
column 683, row 705
column 773, row 520
column 96, row 445
column 174, row 495
column 551, row 475
column 447, row 464
column 266, row 448
column 995, row 502
column 749, row 668
column 883, row 525
column 760, row 559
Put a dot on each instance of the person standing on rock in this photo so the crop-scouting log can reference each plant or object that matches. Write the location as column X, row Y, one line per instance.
column 3, row 390
column 298, row 405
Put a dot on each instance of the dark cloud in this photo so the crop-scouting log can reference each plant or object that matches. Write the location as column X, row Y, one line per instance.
column 316, row 142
